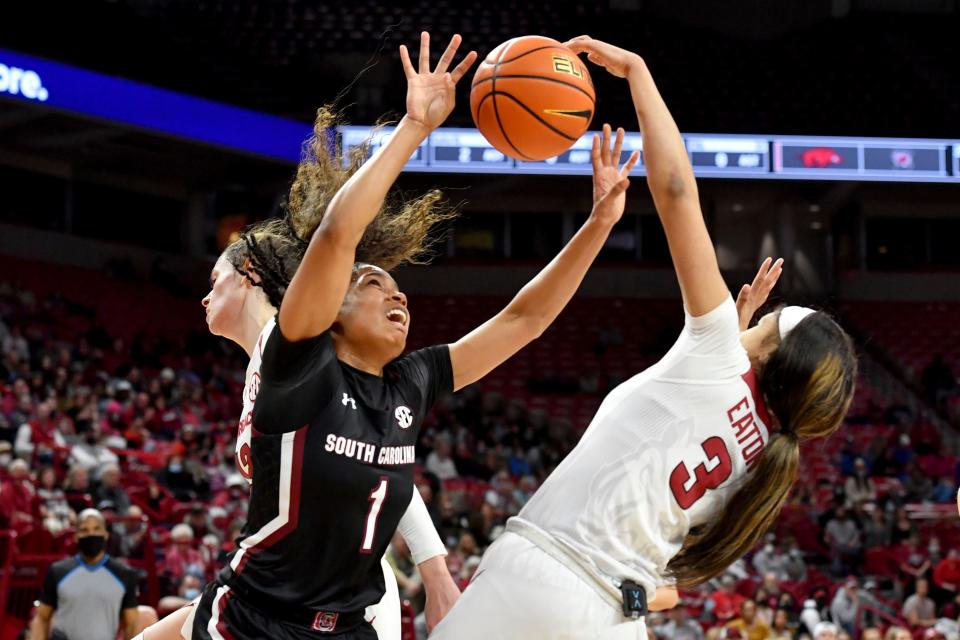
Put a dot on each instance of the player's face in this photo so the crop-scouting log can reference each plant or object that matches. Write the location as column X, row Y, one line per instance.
column 374, row 315
column 761, row 340
column 225, row 300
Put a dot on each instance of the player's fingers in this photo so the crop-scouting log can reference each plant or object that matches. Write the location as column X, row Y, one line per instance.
column 605, row 146
column 464, row 66
column 744, row 294
column 448, row 54
column 630, row 164
column 408, row 69
column 595, row 154
column 617, row 146
column 762, row 272
column 424, row 65
column 577, row 44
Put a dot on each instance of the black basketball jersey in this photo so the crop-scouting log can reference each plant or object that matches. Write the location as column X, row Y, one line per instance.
column 334, row 452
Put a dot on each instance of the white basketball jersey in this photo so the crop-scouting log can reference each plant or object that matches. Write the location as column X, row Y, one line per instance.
column 251, row 387
column 664, row 453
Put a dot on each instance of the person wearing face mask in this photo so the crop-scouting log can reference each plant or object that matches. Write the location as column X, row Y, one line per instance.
column 89, row 452
column 89, row 592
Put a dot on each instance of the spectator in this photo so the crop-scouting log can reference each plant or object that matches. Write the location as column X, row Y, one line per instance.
column 825, row 631
column 679, row 626
column 180, row 557
column 781, row 629
column 767, row 559
column 898, row 633
column 201, row 522
column 919, row 609
column 946, row 575
column 871, row 633
column 794, row 565
column 912, row 562
column 876, row 529
column 845, row 608
column 439, row 462
column 902, row 528
column 810, row 616
column 17, row 498
column 54, row 508
column 188, row 589
column 843, row 538
column 90, row 453
column 917, row 483
column 131, row 530
column 860, row 487
column 77, row 488
column 88, row 604
column 765, row 605
column 945, row 492
column 110, row 488
column 749, row 625
column 724, row 603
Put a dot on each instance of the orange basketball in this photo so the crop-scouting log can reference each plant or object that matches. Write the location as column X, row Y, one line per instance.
column 532, row 98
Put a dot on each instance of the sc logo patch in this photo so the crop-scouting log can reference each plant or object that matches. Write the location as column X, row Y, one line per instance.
column 404, row 417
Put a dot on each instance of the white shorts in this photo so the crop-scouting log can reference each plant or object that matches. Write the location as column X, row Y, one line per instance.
column 522, row 592
column 384, row 616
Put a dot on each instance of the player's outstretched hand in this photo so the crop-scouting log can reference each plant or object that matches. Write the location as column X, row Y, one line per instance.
column 617, row 61
column 753, row 295
column 609, row 179
column 430, row 94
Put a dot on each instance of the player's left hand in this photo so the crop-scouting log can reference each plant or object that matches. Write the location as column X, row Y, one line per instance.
column 753, row 295
column 440, row 599
column 430, row 94
column 609, row 179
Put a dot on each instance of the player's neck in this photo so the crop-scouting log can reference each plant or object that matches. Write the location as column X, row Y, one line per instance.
column 358, row 361
column 252, row 322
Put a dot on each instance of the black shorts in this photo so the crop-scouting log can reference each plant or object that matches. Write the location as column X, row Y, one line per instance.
column 224, row 615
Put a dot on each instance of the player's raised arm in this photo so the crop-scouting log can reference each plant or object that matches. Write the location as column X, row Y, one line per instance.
column 316, row 291
column 670, row 177
column 538, row 304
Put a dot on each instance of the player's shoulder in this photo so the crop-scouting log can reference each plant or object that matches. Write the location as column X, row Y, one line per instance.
column 61, row 568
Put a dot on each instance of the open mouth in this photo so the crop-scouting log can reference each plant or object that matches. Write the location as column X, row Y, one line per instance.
column 398, row 315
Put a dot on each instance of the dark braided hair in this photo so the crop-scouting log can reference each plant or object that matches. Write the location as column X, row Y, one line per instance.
column 400, row 233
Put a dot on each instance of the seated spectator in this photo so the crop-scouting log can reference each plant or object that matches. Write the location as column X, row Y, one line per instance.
column 919, row 609
column 845, row 608
column 90, row 452
column 898, row 633
column 765, row 605
column 912, row 562
column 794, row 566
column 77, row 488
column 903, row 528
column 439, row 462
column 749, row 625
column 826, row 631
column 54, row 508
column 17, row 498
column 876, row 529
column 781, row 629
column 767, row 559
column 200, row 521
column 871, row 633
column 110, row 489
column 188, row 589
column 860, row 487
column 917, row 483
column 131, row 530
column 946, row 575
column 843, row 538
column 679, row 626
column 724, row 603
column 945, row 492
column 180, row 557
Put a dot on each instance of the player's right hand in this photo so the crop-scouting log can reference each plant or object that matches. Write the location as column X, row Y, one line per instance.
column 617, row 61
column 430, row 94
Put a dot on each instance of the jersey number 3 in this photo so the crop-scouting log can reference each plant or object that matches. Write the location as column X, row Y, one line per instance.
column 721, row 467
column 377, row 496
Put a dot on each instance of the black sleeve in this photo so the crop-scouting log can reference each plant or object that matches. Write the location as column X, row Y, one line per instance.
column 131, row 594
column 49, row 594
column 430, row 371
column 297, row 380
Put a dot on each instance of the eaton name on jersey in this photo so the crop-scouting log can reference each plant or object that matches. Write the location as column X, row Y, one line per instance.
column 367, row 453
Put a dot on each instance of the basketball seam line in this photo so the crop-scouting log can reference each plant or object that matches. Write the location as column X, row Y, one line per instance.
column 496, row 111
column 532, row 113
column 525, row 53
column 533, row 77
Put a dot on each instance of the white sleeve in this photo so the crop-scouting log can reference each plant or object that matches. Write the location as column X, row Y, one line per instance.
column 709, row 347
column 418, row 531
column 23, row 445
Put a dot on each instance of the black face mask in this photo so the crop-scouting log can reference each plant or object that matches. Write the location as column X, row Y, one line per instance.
column 91, row 546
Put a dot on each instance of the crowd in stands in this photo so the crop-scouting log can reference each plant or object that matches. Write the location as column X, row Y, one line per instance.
column 142, row 428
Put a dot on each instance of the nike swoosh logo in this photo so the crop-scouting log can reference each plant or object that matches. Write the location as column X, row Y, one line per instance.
column 571, row 113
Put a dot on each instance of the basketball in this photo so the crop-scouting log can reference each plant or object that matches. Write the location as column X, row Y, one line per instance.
column 532, row 98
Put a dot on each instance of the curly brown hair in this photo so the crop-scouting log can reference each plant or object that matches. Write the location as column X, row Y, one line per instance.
column 403, row 231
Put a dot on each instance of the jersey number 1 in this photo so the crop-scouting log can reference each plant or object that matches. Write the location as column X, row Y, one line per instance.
column 376, row 498
column 717, row 454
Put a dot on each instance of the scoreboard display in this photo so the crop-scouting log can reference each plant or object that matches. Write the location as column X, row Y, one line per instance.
column 454, row 150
